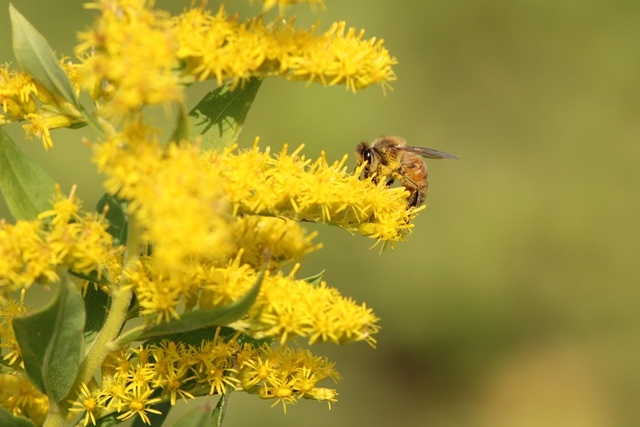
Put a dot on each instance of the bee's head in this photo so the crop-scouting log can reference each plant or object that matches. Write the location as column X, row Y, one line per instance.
column 366, row 154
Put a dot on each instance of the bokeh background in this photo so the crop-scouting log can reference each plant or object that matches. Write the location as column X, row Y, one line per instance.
column 515, row 302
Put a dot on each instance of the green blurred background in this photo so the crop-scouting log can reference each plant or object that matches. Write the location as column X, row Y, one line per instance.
column 515, row 302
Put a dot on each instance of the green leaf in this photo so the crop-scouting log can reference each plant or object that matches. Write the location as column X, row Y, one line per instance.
column 199, row 417
column 96, row 305
column 199, row 319
column 220, row 410
column 316, row 279
column 117, row 217
column 219, row 116
column 51, row 341
column 35, row 56
column 7, row 419
column 26, row 187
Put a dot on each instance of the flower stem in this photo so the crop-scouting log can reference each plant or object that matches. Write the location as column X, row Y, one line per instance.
column 105, row 339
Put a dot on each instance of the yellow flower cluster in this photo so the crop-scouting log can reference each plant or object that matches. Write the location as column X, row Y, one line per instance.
column 171, row 194
column 136, row 56
column 32, row 251
column 283, row 240
column 9, row 310
column 20, row 397
column 220, row 47
column 17, row 93
column 22, row 98
column 292, row 186
column 287, row 308
column 173, row 370
column 130, row 55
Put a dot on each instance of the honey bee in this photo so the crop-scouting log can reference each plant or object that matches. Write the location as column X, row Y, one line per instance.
column 390, row 158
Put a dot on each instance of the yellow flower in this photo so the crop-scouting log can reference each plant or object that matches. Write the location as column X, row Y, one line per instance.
column 213, row 364
column 158, row 290
column 117, row 364
column 22, row 98
column 138, row 400
column 20, row 397
column 322, row 394
column 18, row 91
column 177, row 382
column 172, row 366
column 64, row 208
column 278, row 240
column 85, row 402
column 25, row 256
column 9, row 310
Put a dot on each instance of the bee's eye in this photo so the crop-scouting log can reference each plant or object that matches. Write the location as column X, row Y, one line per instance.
column 367, row 156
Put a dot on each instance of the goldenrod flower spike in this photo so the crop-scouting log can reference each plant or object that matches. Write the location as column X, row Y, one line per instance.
column 294, row 187
column 218, row 46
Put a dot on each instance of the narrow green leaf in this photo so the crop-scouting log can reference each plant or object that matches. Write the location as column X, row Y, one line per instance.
column 108, row 420
column 33, row 53
column 181, row 128
column 96, row 305
column 7, row 419
column 199, row 417
column 199, row 319
column 6, row 369
column 219, row 116
column 315, row 280
column 117, row 217
column 155, row 419
column 51, row 341
column 26, row 187
column 91, row 277
column 195, row 337
column 220, row 410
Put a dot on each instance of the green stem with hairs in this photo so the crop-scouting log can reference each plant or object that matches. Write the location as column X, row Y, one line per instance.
column 108, row 335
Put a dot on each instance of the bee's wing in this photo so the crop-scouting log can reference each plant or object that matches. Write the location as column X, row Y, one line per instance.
column 429, row 153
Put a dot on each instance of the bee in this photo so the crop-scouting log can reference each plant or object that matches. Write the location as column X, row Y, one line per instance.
column 390, row 158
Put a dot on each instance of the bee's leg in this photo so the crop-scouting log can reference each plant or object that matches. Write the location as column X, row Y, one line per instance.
column 390, row 182
column 414, row 194
column 412, row 201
